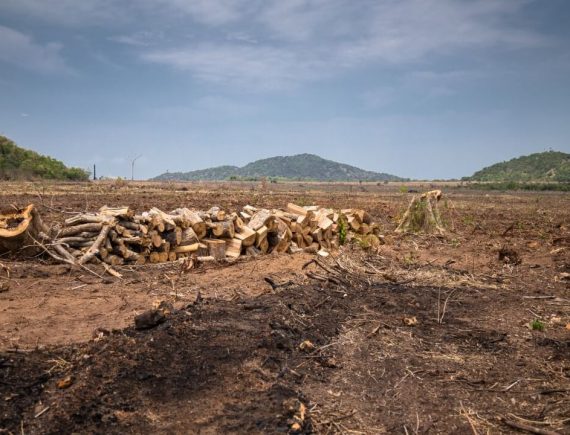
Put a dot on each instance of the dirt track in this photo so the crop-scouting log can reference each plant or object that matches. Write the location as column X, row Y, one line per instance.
column 232, row 362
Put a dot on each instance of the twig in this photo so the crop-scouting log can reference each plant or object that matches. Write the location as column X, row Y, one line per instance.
column 528, row 428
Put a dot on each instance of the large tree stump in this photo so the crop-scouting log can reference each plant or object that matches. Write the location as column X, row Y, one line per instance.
column 422, row 215
column 20, row 230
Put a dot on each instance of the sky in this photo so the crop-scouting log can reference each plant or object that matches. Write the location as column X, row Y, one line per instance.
column 424, row 89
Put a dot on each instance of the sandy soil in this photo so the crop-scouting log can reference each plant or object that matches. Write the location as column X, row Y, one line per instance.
column 424, row 334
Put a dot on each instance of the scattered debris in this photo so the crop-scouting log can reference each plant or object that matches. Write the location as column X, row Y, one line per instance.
column 307, row 346
column 65, row 382
column 410, row 321
column 509, row 256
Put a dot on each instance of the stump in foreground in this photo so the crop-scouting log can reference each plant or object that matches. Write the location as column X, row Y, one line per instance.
column 20, row 229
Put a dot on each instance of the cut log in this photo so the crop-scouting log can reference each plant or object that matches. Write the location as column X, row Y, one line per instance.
column 76, row 239
column 84, row 219
column 223, row 229
column 114, row 260
column 167, row 220
column 233, row 248
column 259, row 219
column 117, row 212
column 324, row 222
column 89, row 227
column 203, row 250
column 354, row 222
column 216, row 248
column 296, row 209
column 205, row 258
column 249, row 209
column 94, row 249
column 247, row 236
column 188, row 237
column 187, row 248
column 154, row 257
column 217, row 214
column 174, row 237
column 197, row 224
column 260, row 235
column 263, row 246
column 156, row 239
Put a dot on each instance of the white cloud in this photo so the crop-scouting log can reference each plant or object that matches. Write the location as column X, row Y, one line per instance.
column 19, row 49
column 305, row 40
column 251, row 66
column 66, row 12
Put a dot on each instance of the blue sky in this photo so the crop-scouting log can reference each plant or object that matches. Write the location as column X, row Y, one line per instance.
column 417, row 88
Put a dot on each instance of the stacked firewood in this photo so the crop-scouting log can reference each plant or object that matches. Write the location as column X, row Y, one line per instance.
column 117, row 235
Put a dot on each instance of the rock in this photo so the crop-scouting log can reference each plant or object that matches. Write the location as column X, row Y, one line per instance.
column 149, row 319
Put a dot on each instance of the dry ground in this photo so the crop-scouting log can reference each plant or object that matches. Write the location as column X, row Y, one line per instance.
column 422, row 335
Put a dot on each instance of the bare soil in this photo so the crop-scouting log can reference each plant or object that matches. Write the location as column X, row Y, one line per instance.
column 423, row 334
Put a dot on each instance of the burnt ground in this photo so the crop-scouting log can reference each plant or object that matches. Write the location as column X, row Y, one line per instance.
column 381, row 358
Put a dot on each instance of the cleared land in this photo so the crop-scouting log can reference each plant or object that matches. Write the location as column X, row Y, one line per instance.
column 423, row 334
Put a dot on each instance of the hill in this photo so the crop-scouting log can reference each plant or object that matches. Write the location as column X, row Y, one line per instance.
column 297, row 167
column 19, row 163
column 538, row 167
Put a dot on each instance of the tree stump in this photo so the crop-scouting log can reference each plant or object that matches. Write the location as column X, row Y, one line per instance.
column 422, row 215
column 20, row 229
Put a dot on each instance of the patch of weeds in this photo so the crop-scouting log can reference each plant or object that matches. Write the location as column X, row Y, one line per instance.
column 537, row 325
column 455, row 243
column 410, row 259
column 342, row 228
column 403, row 189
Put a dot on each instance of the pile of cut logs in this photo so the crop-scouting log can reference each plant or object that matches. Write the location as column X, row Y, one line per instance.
column 117, row 235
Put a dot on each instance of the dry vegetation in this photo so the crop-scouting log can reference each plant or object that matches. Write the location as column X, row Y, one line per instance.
column 467, row 331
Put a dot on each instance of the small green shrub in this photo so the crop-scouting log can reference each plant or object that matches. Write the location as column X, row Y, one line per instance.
column 342, row 228
column 537, row 325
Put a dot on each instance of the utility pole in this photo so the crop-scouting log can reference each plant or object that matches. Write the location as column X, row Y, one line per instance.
column 133, row 166
column 94, row 172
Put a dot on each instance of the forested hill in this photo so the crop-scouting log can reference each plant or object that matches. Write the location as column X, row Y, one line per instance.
column 18, row 163
column 297, row 167
column 538, row 167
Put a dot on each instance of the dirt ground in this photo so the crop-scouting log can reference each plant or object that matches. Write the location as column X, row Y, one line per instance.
column 423, row 334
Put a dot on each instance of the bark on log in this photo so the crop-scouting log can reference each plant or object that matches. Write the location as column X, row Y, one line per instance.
column 94, row 249
column 188, row 237
column 84, row 219
column 89, row 227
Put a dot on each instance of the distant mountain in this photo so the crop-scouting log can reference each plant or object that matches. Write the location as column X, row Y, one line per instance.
column 298, row 167
column 545, row 166
column 18, row 163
